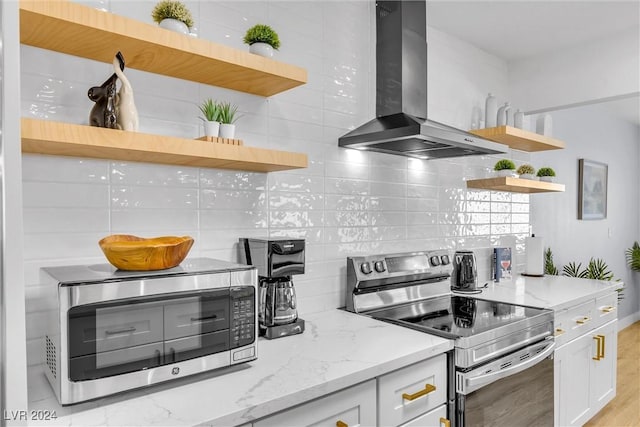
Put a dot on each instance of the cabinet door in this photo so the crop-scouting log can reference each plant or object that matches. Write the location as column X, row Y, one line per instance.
column 572, row 378
column 604, row 369
column 412, row 391
column 354, row 406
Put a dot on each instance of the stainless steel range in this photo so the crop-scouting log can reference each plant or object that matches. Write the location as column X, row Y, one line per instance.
column 501, row 365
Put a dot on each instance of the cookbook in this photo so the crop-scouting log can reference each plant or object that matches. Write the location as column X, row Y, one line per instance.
column 502, row 264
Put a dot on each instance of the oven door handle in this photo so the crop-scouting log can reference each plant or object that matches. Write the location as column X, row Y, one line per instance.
column 473, row 383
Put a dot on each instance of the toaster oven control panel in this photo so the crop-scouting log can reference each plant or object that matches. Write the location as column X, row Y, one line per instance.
column 243, row 315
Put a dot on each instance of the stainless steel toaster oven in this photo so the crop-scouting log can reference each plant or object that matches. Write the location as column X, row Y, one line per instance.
column 110, row 330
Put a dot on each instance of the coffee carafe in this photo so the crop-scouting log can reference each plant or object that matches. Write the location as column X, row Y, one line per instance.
column 277, row 260
column 464, row 276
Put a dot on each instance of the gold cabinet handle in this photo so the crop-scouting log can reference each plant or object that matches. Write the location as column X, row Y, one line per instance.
column 600, row 347
column 559, row 331
column 582, row 321
column 607, row 309
column 428, row 388
column 444, row 422
column 341, row 423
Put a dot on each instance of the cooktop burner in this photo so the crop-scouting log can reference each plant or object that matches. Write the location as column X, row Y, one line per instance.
column 453, row 316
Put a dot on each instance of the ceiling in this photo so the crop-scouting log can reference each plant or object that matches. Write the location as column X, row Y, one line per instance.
column 514, row 30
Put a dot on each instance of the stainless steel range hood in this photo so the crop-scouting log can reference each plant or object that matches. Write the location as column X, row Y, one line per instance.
column 401, row 126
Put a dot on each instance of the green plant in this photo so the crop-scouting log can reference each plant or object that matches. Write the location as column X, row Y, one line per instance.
column 227, row 113
column 526, row 169
column 633, row 257
column 504, row 164
column 549, row 267
column 172, row 9
column 574, row 270
column 210, row 110
column 546, row 172
column 261, row 33
column 598, row 270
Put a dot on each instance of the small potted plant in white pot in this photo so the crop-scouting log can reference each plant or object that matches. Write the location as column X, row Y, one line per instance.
column 211, row 117
column 227, row 116
column 527, row 172
column 262, row 39
column 546, row 174
column 505, row 167
column 172, row 15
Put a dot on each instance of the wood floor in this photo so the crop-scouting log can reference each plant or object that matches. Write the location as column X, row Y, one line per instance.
column 624, row 409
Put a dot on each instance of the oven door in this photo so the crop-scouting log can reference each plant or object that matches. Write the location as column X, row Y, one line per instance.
column 514, row 390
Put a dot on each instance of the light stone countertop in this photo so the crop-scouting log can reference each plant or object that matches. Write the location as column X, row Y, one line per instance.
column 338, row 349
column 553, row 292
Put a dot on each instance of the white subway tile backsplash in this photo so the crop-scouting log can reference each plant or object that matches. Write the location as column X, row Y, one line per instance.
column 347, row 202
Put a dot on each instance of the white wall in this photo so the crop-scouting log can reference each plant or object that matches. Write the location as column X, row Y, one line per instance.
column 592, row 134
column 597, row 70
column 346, row 202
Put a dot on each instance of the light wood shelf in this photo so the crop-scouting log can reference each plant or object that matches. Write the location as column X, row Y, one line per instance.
column 515, row 185
column 71, row 28
column 519, row 139
column 64, row 139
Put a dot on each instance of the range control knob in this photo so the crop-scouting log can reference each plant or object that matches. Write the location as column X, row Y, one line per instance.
column 379, row 266
column 435, row 261
column 365, row 267
column 444, row 259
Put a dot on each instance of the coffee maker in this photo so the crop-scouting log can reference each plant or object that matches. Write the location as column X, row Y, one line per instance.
column 277, row 260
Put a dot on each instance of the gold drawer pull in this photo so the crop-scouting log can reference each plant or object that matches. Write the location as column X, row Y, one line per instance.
column 444, row 422
column 607, row 309
column 428, row 388
column 582, row 321
column 603, row 342
column 559, row 331
column 341, row 423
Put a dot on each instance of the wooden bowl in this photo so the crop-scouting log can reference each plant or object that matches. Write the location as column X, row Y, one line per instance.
column 134, row 253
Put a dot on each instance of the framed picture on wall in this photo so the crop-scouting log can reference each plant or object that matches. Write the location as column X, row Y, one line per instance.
column 592, row 189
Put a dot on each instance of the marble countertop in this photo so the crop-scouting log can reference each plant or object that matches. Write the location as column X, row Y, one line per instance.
column 338, row 349
column 553, row 292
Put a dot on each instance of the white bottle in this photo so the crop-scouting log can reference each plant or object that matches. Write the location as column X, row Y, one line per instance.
column 518, row 119
column 503, row 114
column 490, row 111
column 544, row 125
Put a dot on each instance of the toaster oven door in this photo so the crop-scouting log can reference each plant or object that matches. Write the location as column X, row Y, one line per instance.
column 123, row 336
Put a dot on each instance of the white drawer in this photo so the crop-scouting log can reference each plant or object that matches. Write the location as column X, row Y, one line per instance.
column 408, row 392
column 353, row 406
column 436, row 418
column 606, row 309
column 573, row 322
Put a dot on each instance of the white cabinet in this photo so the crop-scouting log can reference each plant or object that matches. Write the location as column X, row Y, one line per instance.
column 412, row 391
column 413, row 396
column 352, row 407
column 585, row 360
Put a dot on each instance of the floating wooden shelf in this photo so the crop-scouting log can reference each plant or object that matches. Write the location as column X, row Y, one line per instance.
column 64, row 139
column 79, row 30
column 515, row 185
column 519, row 139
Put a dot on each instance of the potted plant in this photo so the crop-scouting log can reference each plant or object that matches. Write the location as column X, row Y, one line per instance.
column 262, row 40
column 527, row 172
column 227, row 117
column 632, row 255
column 546, row 174
column 505, row 167
column 172, row 15
column 211, row 117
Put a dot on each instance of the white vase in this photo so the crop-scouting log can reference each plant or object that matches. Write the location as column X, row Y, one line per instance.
column 174, row 25
column 262, row 49
column 490, row 111
column 518, row 119
column 546, row 178
column 529, row 176
column 227, row 130
column 507, row 172
column 503, row 114
column 211, row 128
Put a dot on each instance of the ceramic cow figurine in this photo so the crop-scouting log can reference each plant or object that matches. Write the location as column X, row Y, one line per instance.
column 103, row 113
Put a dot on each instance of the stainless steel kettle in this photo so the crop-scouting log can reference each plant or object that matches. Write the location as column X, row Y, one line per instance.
column 464, row 277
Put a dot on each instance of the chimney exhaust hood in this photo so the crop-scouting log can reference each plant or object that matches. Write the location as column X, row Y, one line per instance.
column 401, row 126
